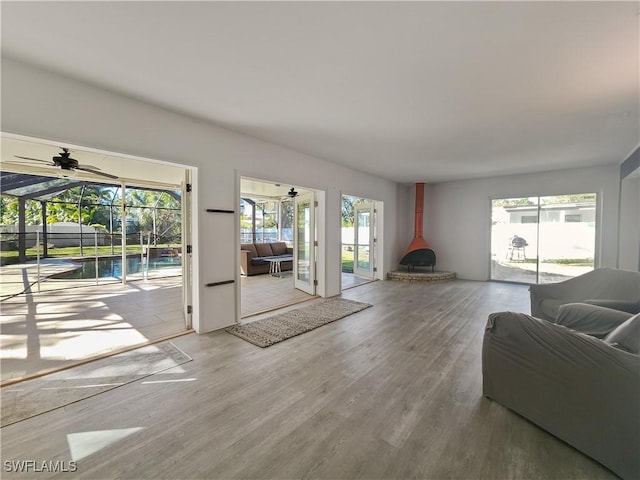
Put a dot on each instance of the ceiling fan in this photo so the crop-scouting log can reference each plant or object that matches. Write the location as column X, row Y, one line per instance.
column 290, row 195
column 65, row 162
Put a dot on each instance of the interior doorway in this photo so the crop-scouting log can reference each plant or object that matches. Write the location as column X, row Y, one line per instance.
column 278, row 236
column 110, row 275
column 359, row 249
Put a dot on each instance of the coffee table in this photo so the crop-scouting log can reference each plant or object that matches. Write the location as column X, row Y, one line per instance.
column 275, row 264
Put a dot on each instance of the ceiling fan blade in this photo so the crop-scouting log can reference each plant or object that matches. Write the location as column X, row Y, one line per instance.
column 102, row 174
column 34, row 159
column 21, row 166
column 88, row 167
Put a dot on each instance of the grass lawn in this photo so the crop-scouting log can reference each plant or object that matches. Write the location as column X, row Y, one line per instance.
column 347, row 261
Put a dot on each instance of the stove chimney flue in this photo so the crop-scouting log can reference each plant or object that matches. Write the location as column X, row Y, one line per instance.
column 418, row 241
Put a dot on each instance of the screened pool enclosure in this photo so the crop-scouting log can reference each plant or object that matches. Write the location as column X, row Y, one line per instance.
column 44, row 218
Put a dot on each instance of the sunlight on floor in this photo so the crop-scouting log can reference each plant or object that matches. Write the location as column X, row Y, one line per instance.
column 83, row 444
column 51, row 330
column 169, row 381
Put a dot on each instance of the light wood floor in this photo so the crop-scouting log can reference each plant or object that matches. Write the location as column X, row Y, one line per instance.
column 72, row 321
column 58, row 327
column 262, row 293
column 393, row 391
column 259, row 293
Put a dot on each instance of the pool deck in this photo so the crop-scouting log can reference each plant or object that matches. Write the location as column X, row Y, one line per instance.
column 23, row 278
column 18, row 278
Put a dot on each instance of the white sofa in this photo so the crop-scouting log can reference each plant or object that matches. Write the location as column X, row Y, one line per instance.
column 607, row 287
column 582, row 389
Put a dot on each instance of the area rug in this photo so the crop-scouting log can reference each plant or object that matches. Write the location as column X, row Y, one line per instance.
column 277, row 328
column 34, row 397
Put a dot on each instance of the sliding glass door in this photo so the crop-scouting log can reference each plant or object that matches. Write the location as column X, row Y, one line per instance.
column 567, row 236
column 542, row 239
column 514, row 239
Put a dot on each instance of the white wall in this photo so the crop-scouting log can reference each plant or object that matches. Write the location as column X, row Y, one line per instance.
column 457, row 214
column 630, row 224
column 45, row 105
column 407, row 197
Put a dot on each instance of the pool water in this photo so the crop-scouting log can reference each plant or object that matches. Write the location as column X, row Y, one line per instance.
column 112, row 267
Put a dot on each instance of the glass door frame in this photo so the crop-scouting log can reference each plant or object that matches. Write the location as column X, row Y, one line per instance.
column 187, row 253
column 540, row 207
column 308, row 284
column 367, row 207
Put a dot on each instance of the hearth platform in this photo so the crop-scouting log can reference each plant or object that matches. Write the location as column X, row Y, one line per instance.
column 426, row 277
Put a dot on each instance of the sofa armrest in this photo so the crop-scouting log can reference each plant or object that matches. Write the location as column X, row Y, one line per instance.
column 542, row 293
column 547, row 297
column 245, row 261
column 289, row 250
column 575, row 386
column 590, row 319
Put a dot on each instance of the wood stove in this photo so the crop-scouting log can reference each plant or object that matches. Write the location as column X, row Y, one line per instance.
column 418, row 253
column 423, row 257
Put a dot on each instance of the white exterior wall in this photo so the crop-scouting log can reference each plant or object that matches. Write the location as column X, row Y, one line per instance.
column 41, row 104
column 457, row 214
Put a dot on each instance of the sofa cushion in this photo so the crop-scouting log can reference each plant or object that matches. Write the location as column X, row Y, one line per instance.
column 258, row 261
column 279, row 248
column 264, row 250
column 626, row 336
column 591, row 319
column 624, row 306
column 249, row 247
column 548, row 308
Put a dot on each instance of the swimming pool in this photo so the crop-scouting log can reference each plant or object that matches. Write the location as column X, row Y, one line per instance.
column 111, row 267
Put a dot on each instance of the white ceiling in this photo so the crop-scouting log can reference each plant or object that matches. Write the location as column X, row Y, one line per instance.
column 132, row 171
column 267, row 190
column 410, row 91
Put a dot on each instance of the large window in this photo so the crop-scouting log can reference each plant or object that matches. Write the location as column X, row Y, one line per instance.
column 264, row 221
column 542, row 239
column 83, row 219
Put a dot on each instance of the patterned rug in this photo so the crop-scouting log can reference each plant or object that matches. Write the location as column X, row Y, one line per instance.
column 277, row 328
column 34, row 397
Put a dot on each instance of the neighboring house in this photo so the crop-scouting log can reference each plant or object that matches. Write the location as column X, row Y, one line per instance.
column 59, row 234
column 565, row 213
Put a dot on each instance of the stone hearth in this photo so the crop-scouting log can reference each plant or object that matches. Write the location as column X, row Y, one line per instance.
column 427, row 277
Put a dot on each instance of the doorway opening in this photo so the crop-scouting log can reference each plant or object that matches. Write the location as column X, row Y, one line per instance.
column 278, row 239
column 92, row 263
column 359, row 249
